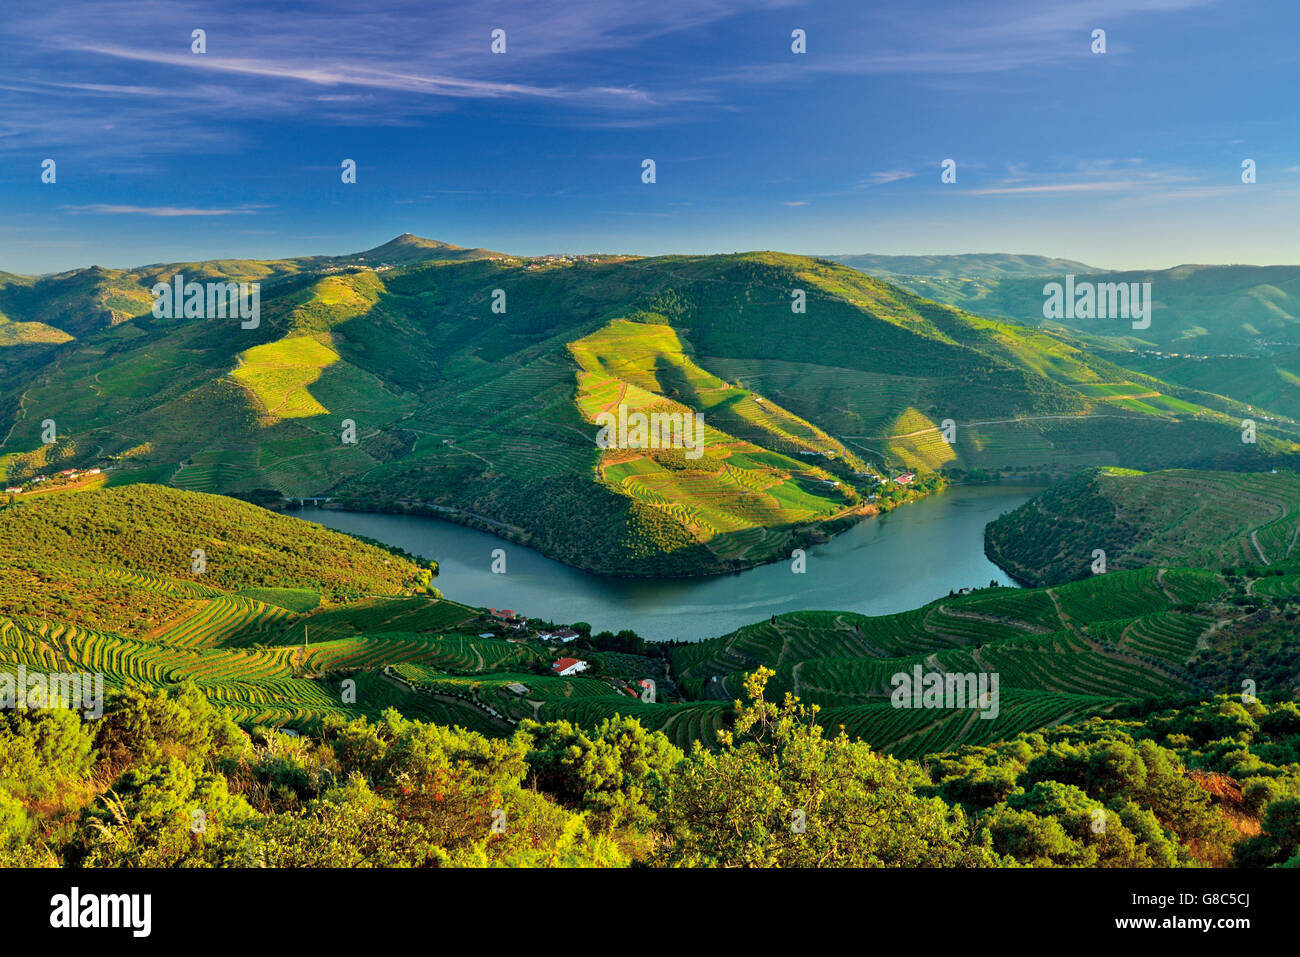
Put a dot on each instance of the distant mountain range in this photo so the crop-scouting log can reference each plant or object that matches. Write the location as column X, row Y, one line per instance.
column 963, row 266
column 1202, row 310
column 472, row 382
column 1226, row 330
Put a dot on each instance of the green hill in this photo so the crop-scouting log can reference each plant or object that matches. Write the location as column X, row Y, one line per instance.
column 1268, row 383
column 488, row 417
column 1199, row 309
column 1208, row 520
column 962, row 266
column 297, row 627
column 284, row 611
column 105, row 581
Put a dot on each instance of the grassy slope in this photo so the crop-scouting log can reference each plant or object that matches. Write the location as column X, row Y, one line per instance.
column 481, row 416
column 102, row 581
column 965, row 266
column 147, row 534
column 1199, row 309
column 102, row 591
column 1205, row 519
column 1266, row 382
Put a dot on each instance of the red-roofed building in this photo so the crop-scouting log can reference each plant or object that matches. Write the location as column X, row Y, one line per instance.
column 566, row 667
column 508, row 618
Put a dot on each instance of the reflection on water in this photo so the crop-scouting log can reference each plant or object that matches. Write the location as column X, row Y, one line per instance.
column 906, row 558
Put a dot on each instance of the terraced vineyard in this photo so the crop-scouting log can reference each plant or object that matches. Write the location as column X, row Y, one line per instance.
column 263, row 650
column 1060, row 653
column 913, row 733
column 1209, row 520
column 488, row 416
column 290, row 649
column 742, row 487
column 228, row 620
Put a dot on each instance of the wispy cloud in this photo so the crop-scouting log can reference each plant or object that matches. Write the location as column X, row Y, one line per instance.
column 114, row 210
column 960, row 39
column 1110, row 186
column 887, row 176
column 345, row 74
column 1084, row 176
column 589, row 62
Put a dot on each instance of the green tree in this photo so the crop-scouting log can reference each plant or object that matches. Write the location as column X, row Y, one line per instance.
column 165, row 815
column 616, row 770
column 779, row 794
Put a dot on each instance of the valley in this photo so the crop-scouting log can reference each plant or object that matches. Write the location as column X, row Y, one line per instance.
column 827, row 536
column 385, row 381
column 891, row 563
column 292, row 631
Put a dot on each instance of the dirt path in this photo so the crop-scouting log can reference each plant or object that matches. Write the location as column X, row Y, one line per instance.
column 22, row 414
column 1025, row 626
column 1254, row 540
column 1065, row 619
column 1027, row 418
column 451, row 700
column 622, row 393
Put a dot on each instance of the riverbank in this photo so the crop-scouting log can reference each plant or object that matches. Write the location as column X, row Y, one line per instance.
column 898, row 561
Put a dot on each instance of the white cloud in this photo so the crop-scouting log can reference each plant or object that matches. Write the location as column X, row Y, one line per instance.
column 114, row 210
column 887, row 176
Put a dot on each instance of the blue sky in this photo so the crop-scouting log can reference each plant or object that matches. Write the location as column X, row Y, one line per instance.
column 1130, row 158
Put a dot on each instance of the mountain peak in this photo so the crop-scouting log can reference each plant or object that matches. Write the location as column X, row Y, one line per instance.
column 412, row 239
column 410, row 248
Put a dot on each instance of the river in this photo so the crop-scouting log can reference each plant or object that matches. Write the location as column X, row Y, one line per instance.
column 900, row 560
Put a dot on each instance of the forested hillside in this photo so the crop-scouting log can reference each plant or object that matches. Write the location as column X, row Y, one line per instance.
column 1201, row 309
column 1210, row 520
column 1213, row 785
column 463, row 383
column 314, row 701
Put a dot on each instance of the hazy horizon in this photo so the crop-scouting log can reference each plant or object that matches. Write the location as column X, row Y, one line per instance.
column 364, row 246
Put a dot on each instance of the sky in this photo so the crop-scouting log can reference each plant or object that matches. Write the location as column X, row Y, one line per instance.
column 1131, row 158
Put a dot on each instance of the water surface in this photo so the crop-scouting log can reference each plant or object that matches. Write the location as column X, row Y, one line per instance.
column 900, row 560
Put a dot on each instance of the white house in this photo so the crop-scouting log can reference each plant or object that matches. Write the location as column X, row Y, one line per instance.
column 566, row 667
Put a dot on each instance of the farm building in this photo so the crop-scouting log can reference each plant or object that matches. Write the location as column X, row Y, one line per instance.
column 508, row 618
column 566, row 667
